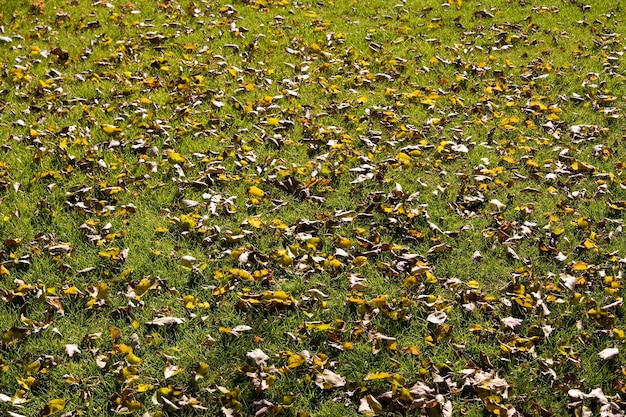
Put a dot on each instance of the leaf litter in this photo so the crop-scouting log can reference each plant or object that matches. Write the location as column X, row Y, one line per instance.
column 276, row 208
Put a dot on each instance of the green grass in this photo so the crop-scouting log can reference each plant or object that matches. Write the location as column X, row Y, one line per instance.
column 392, row 144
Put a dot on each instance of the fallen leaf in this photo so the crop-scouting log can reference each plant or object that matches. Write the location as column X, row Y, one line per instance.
column 608, row 353
column 329, row 380
column 72, row 349
column 54, row 406
column 437, row 317
column 258, row 356
column 171, row 370
column 369, row 406
column 166, row 321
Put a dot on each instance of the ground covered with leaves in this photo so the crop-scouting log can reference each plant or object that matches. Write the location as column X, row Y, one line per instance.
column 309, row 208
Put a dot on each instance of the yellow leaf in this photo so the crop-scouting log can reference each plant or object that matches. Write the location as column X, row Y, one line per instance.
column 294, row 361
column 582, row 166
column 52, row 407
column 71, row 290
column 144, row 285
column 32, row 368
column 343, row 242
column 336, row 264
column 256, row 223
column 144, row 387
column 272, row 121
column 412, row 350
column 285, row 260
column 403, row 159
column 110, row 253
column 509, row 159
column 45, row 84
column 111, row 129
column 276, row 295
column 241, row 273
column 582, row 222
column 532, row 163
column 133, row 359
column 27, row 383
column 187, row 222
column 379, row 302
column 115, row 333
column 175, row 157
column 202, row 369
column 377, row 375
column 222, row 289
column 355, row 300
column 112, row 190
column 589, row 244
column 128, row 373
column 256, row 192
column 319, row 326
column 124, row 349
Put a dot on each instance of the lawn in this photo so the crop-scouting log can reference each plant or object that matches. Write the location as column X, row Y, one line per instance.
column 297, row 208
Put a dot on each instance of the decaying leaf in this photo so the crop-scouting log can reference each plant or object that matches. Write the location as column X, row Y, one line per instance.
column 388, row 190
column 369, row 406
column 165, row 321
column 437, row 317
column 258, row 356
column 54, row 406
column 329, row 380
column 72, row 349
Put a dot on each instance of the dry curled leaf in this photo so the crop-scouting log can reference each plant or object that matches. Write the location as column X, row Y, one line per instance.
column 329, row 380
column 165, row 321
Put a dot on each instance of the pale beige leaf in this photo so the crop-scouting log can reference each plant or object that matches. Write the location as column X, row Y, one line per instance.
column 166, row 321
column 437, row 317
column 609, row 353
column 171, row 370
column 258, row 356
column 72, row 349
column 370, row 406
column 328, row 380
